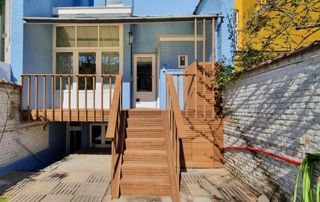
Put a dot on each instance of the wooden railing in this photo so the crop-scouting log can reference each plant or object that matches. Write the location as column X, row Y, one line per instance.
column 116, row 130
column 196, row 98
column 176, row 132
column 66, row 92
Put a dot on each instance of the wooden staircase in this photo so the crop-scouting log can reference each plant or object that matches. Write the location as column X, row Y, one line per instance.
column 145, row 169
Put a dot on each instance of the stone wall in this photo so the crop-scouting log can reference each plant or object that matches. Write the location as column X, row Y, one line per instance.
column 274, row 107
column 18, row 140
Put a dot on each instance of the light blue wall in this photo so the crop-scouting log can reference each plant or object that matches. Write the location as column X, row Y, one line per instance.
column 223, row 43
column 17, row 38
column 55, row 151
column 37, row 57
column 99, row 2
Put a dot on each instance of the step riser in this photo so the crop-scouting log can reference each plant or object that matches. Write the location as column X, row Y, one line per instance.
column 145, row 190
column 145, row 158
column 144, row 172
column 147, row 146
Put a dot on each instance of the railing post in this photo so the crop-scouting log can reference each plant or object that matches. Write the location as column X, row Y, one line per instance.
column 37, row 96
column 204, row 91
column 196, row 90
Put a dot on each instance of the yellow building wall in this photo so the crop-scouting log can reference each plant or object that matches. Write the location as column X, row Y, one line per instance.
column 244, row 8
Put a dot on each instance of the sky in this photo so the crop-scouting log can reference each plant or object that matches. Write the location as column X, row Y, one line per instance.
column 164, row 7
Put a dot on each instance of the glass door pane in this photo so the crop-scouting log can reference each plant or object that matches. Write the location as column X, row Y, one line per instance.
column 64, row 65
column 109, row 65
column 144, row 74
column 87, row 65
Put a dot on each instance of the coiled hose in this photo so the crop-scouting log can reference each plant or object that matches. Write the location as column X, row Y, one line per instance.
column 306, row 172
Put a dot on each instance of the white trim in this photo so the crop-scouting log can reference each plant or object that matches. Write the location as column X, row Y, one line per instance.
column 91, row 10
column 179, row 38
column 186, row 61
column 7, row 44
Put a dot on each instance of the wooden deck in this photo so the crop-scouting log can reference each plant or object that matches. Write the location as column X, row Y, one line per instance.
column 65, row 115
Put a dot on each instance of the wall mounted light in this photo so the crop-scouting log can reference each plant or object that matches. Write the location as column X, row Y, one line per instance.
column 130, row 38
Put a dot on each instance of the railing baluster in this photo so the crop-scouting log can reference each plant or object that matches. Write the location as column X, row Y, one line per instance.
column 204, row 91
column 69, row 97
column 52, row 97
column 77, row 97
column 178, row 87
column 21, row 94
column 45, row 97
column 110, row 91
column 102, row 110
column 37, row 96
column 60, row 99
column 29, row 98
column 94, row 97
column 86, row 96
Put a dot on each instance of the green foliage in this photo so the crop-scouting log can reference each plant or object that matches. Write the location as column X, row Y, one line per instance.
column 224, row 74
column 3, row 199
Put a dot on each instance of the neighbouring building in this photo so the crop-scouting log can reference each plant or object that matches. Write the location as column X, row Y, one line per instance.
column 245, row 9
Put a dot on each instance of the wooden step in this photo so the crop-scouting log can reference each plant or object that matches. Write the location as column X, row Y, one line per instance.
column 151, row 143
column 143, row 169
column 144, row 113
column 145, row 156
column 145, row 132
column 145, row 186
column 133, row 122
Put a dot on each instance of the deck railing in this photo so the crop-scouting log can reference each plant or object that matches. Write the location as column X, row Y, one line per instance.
column 66, row 92
column 176, row 132
column 116, row 132
column 199, row 90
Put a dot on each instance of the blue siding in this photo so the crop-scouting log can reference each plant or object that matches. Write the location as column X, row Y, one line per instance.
column 55, row 152
column 127, row 78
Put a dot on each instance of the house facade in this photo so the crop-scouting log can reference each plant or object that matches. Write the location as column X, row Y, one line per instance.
column 68, row 54
column 138, row 87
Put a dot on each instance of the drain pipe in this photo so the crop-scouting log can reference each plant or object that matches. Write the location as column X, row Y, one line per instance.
column 253, row 149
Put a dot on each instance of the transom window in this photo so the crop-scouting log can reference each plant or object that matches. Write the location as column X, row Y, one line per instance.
column 87, row 49
column 87, row 36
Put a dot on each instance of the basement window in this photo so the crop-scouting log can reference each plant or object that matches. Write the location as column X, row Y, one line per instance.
column 182, row 61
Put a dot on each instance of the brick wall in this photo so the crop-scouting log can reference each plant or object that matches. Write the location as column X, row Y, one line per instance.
column 18, row 140
column 273, row 107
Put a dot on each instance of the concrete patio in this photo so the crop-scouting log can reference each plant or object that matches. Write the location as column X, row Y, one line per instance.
column 84, row 177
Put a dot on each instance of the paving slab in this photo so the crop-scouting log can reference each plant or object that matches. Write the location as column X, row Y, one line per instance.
column 57, row 198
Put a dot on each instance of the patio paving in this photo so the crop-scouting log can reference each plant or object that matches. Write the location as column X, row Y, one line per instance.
column 82, row 177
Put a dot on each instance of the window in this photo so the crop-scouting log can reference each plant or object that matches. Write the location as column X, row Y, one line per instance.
column 109, row 36
column 182, row 61
column 109, row 65
column 64, row 64
column 87, row 65
column 87, row 36
column 65, row 37
column 87, row 49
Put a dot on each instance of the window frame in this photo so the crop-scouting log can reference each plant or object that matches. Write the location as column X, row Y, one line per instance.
column 76, row 50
